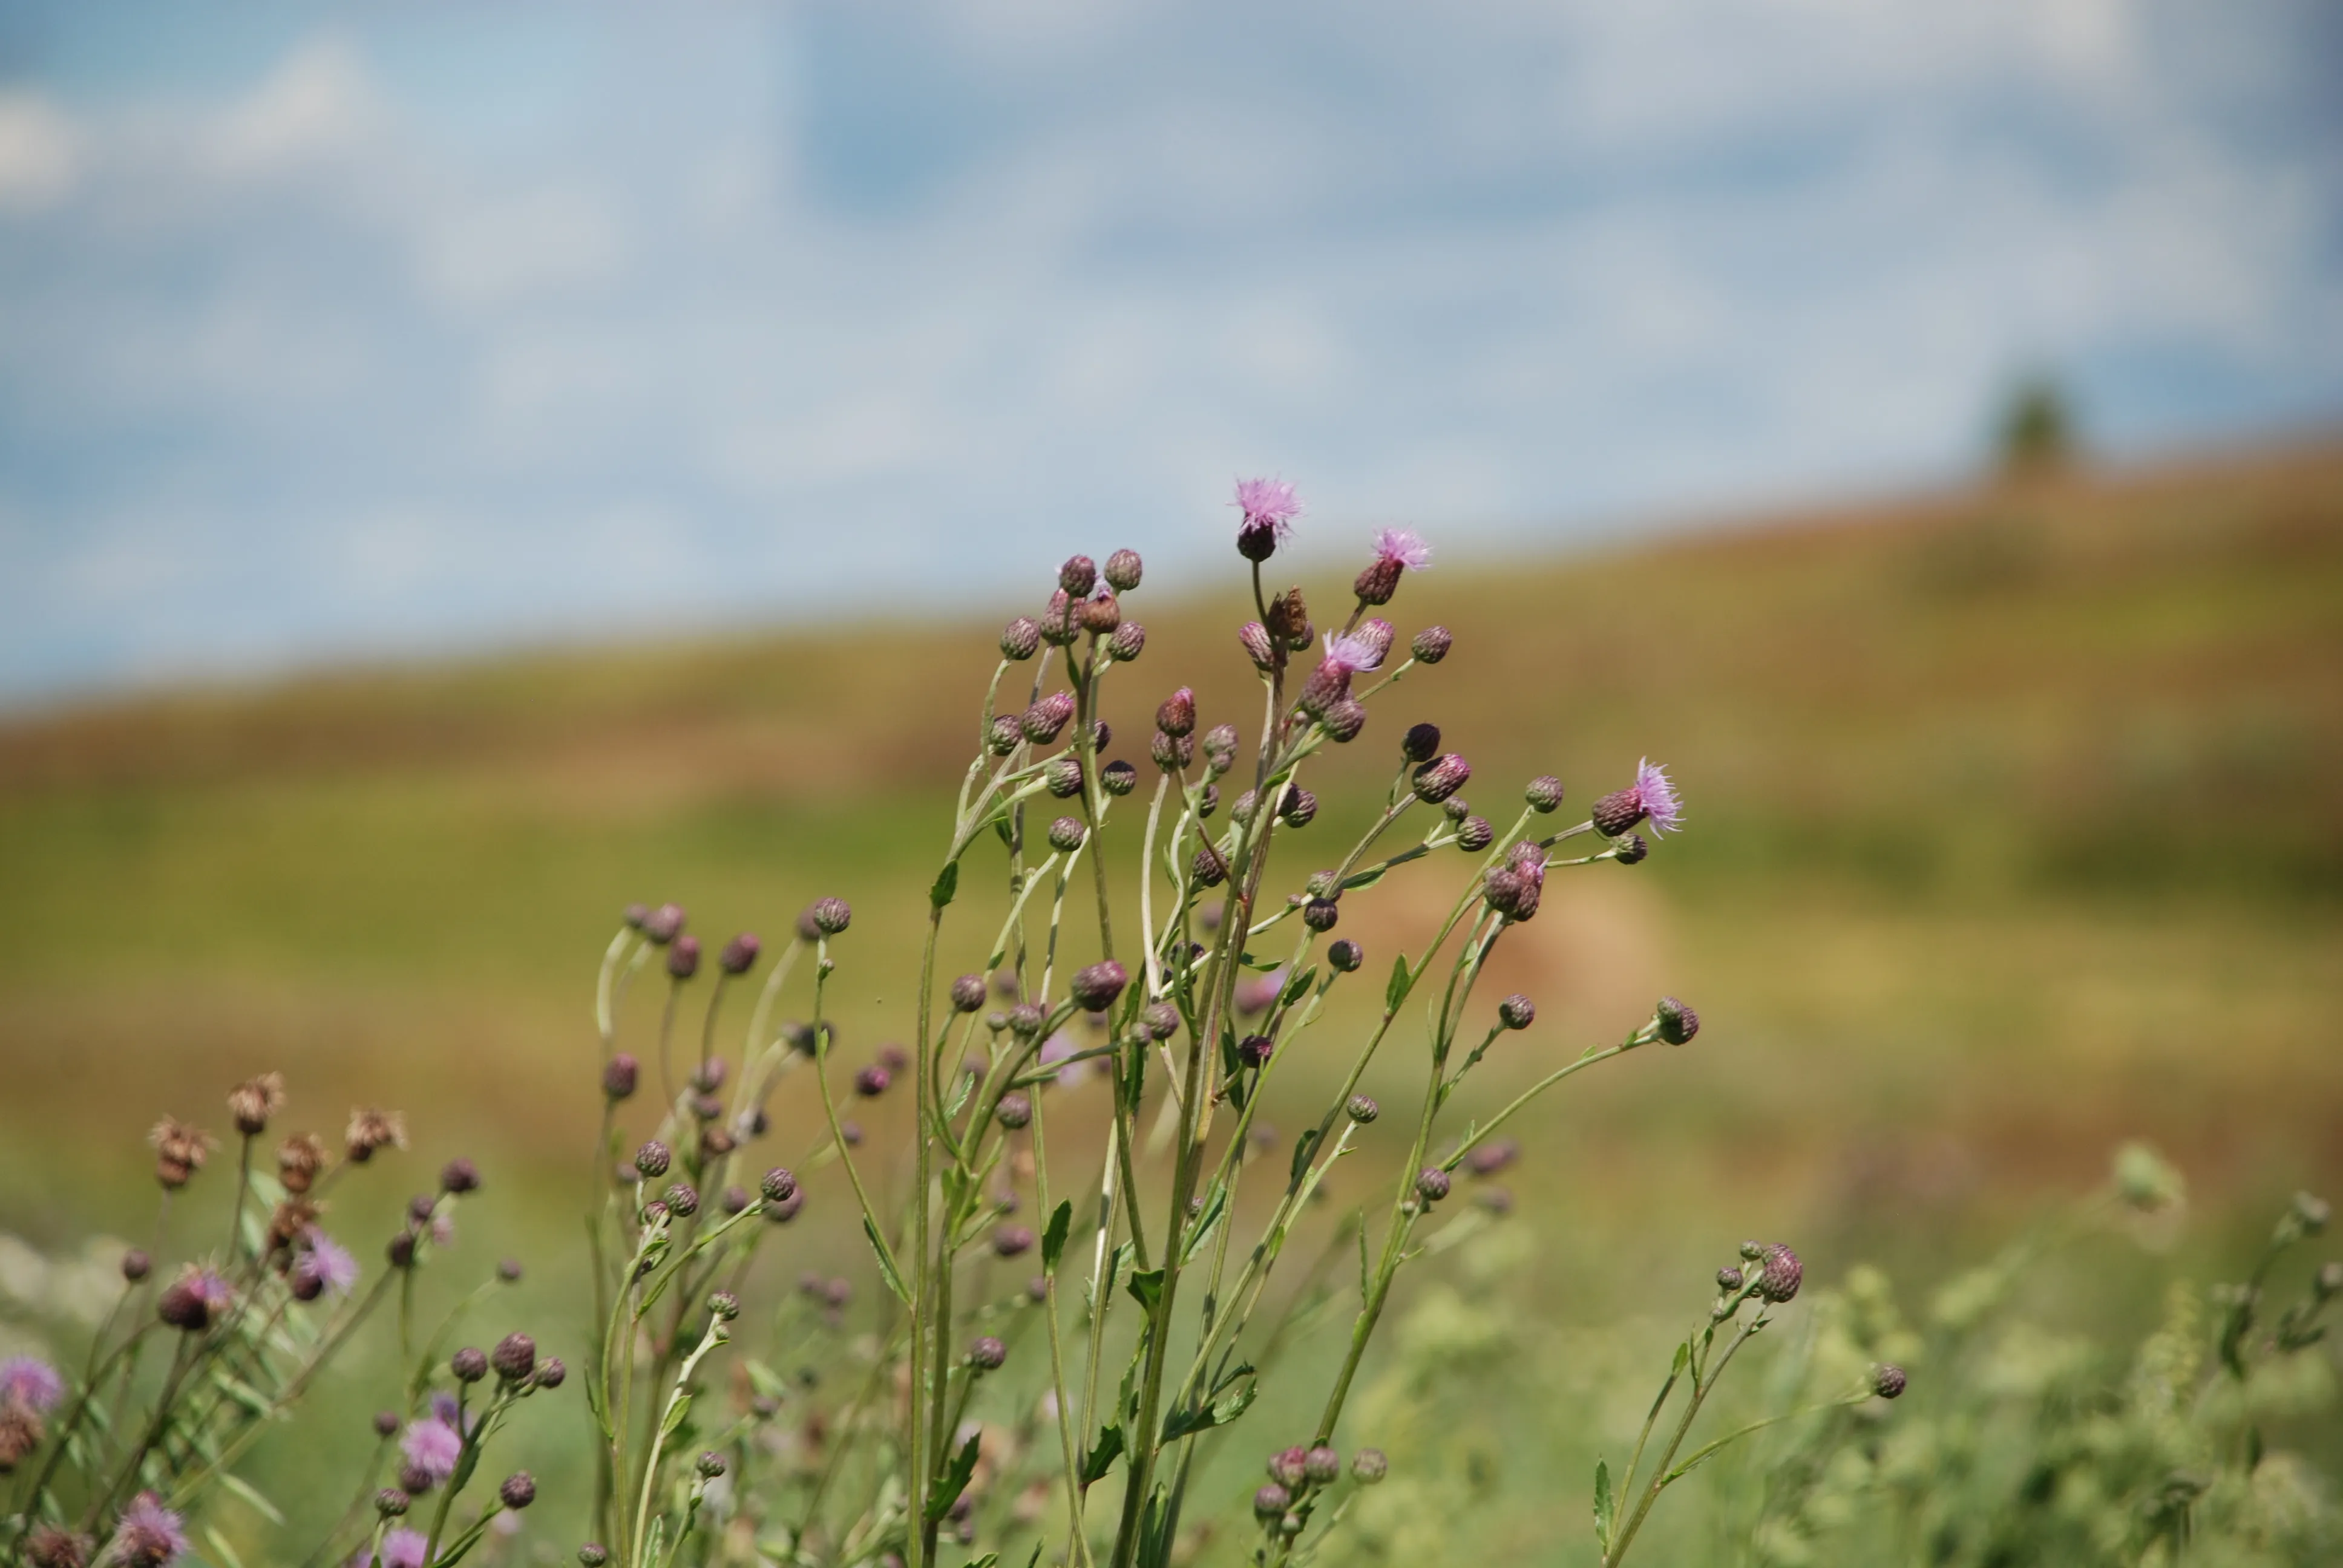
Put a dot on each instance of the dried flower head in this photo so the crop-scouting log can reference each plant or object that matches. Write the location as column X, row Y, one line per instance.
column 1288, row 620
column 55, row 1547
column 21, row 1431
column 1100, row 614
column 1650, row 796
column 371, row 1130
column 300, row 1159
column 252, row 1102
column 180, row 1149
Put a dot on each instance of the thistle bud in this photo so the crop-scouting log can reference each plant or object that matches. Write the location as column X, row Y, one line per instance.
column 1362, row 1109
column 1060, row 623
column 986, row 1354
column 1095, row 987
column 1544, row 793
column 1329, row 684
column 1729, row 1280
column 1015, row 1109
column 1421, row 743
column 664, row 924
column 1289, row 620
column 1128, row 641
column 1677, row 1022
column 736, row 1198
column 1258, row 646
column 1301, row 807
column 1288, row 1466
column 1020, row 638
column 709, row 1076
column 619, row 1075
column 1321, row 1464
column 1208, row 870
column 1176, row 713
column 1063, row 777
column 459, row 1177
column 1779, row 1280
column 1616, row 812
column 1043, row 722
column 1161, row 1018
column 1008, row 1241
column 137, row 1265
column 831, row 916
column 653, row 1159
column 515, row 1357
column 2310, row 1213
column 1432, row 1183
column 1493, row 1156
column 1119, row 778
column 1078, row 575
column 723, row 1304
column 1255, row 1050
column 683, row 957
column 1517, row 1012
column 740, row 954
column 1123, row 570
column 1220, row 745
column 1441, row 778
column 518, row 1490
column 1066, row 835
column 968, row 993
column 777, row 1185
column 1002, row 736
column 1456, row 808
column 1369, row 1466
column 1377, row 635
column 1346, row 956
column 1631, row 849
column 593, row 1554
column 871, row 1082
column 709, row 1465
column 469, row 1364
column 1431, row 645
column 1474, row 835
column 390, row 1502
column 1378, row 582
column 1321, row 914
column 1271, row 1501
column 1207, row 802
column 1887, row 1381
column 1025, row 1019
column 1241, row 811
column 1170, row 752
column 1344, row 719
column 682, row 1200
column 1102, row 615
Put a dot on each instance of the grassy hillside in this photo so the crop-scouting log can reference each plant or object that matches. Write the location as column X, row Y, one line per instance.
column 2017, row 828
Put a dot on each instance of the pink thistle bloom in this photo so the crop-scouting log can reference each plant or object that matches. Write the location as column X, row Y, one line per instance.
column 404, row 1548
column 148, row 1534
column 432, row 1447
column 443, row 1229
column 1255, row 995
column 30, row 1381
column 331, row 1261
column 1271, row 502
column 1056, row 1049
column 1658, row 796
column 1354, row 653
column 1405, row 548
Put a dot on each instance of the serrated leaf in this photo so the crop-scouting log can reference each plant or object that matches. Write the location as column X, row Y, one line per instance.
column 1053, row 1239
column 1605, row 1507
column 886, row 1262
column 677, row 1408
column 955, row 1480
column 1147, row 1289
column 1101, row 1456
column 1216, row 1205
column 1396, row 992
column 1218, row 1412
column 252, row 1497
column 964, row 1085
column 946, row 883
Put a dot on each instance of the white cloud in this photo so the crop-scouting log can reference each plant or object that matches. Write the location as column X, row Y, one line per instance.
column 39, row 155
column 318, row 104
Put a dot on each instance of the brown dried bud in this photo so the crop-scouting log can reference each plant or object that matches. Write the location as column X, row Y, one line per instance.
column 1176, row 715
column 180, row 1149
column 300, row 1159
column 254, row 1100
column 1102, row 615
column 1289, row 620
column 371, row 1130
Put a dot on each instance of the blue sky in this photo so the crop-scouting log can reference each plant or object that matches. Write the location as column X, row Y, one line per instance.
column 331, row 333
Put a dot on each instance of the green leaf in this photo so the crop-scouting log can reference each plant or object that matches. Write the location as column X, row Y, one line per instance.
column 1366, row 878
column 762, row 1378
column 245, row 1490
column 1395, row 992
column 1101, row 1457
column 594, row 1403
column 1216, row 1204
column 1304, row 1147
column 677, row 1409
column 1298, row 985
column 1147, row 1289
column 1053, row 1239
column 655, row 1545
column 1000, row 826
column 947, row 884
column 955, row 1480
column 1606, row 1507
column 1219, row 1412
column 220, row 1548
column 964, row 1087
column 886, row 1262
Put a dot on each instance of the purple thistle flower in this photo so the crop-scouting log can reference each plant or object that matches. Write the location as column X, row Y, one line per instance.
column 30, row 1381
column 148, row 1534
column 1270, row 503
column 1658, row 796
column 1355, row 653
column 404, row 1548
column 443, row 1231
column 432, row 1447
column 1056, row 1049
column 1403, row 546
column 330, row 1263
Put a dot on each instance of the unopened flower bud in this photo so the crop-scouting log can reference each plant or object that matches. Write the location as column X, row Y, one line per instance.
column 1254, row 1050
column 1441, row 778
column 831, row 916
column 1545, row 793
column 1288, row 1466
column 1474, row 835
column 137, row 1265
column 1015, row 1109
column 1119, row 778
column 1517, row 1012
column 390, row 1502
column 1100, row 615
column 724, row 1304
column 1241, row 809
column 1729, row 1280
column 1888, row 1380
column 1631, row 849
column 1344, row 719
column 1060, row 621
column 1094, row 988
column 1026, row 1019
column 1321, row 1464
column 1045, row 720
column 986, row 1354
column 1493, row 1156
column 2327, row 1283
column 518, row 1490
column 1255, row 639
column 682, row 1200
column 1128, row 641
column 1271, row 1501
column 619, row 1075
column 1008, row 1241
column 1123, row 570
column 709, row 1465
column 1170, row 752
column 1432, row 1183
column 1301, row 807
column 1321, row 914
column 777, row 1185
column 1067, row 834
column 683, row 957
column 1208, row 800
column 1779, row 1280
column 469, row 1364
column 1369, row 1466
column 1020, row 638
column 1752, row 1250
column 1221, row 744
column 1678, row 1023
column 1161, row 1018
column 1421, row 743
column 2311, row 1214
column 1346, row 955
column 459, row 1177
column 1078, row 575
column 1329, row 684
column 1002, row 736
column 1616, row 812
column 653, row 1159
column 1209, row 869
column 1176, row 713
column 740, row 954
column 515, row 1357
column 871, row 1082
column 1362, row 1109
column 664, row 924
column 593, row 1554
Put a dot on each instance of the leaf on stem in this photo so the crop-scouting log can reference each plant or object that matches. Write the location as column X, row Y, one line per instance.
column 885, row 1263
column 1181, row 1423
column 1147, row 1289
column 1216, row 1204
column 1103, row 1455
column 1606, row 1507
column 677, row 1409
column 1395, row 992
column 947, row 884
column 1053, row 1239
column 955, row 1480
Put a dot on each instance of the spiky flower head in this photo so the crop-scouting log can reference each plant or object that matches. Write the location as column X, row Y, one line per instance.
column 148, row 1535
column 831, row 916
column 1067, row 834
column 404, row 1548
column 31, row 1383
column 1650, row 796
column 254, row 1100
column 653, row 1159
column 1269, row 507
column 1020, row 638
column 1779, row 1278
column 1095, row 986
column 323, row 1265
column 371, row 1129
column 986, row 1354
column 1397, row 550
column 432, row 1446
column 1078, row 575
column 1442, row 777
column 515, row 1357
column 1678, row 1023
column 53, row 1546
column 1353, row 654
column 1432, row 1183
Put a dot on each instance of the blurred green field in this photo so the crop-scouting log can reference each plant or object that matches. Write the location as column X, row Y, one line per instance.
column 2015, row 830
